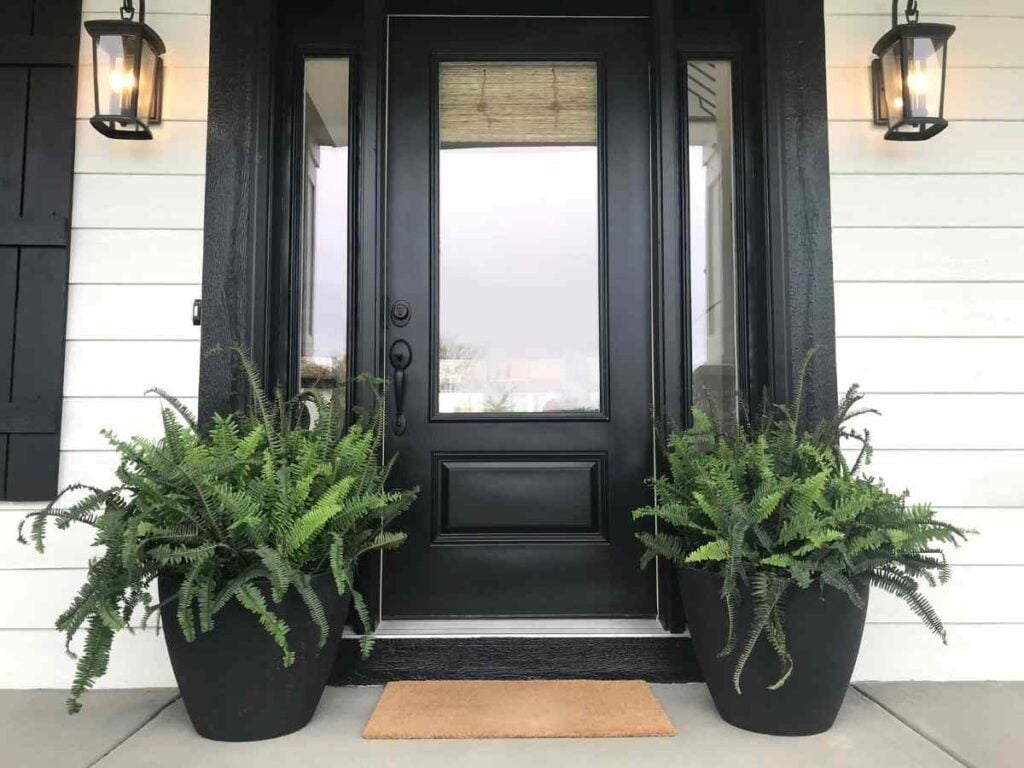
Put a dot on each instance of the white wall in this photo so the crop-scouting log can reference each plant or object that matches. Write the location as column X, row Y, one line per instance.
column 929, row 269
column 136, row 264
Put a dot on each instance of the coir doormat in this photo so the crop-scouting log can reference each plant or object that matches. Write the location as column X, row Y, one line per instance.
column 517, row 709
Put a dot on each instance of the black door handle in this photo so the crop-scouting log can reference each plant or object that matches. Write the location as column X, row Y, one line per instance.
column 400, row 356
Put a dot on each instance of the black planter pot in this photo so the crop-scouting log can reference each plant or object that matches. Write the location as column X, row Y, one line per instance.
column 823, row 631
column 232, row 679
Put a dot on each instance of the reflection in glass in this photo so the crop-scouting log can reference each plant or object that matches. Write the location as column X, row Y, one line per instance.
column 519, row 277
column 712, row 238
column 324, row 222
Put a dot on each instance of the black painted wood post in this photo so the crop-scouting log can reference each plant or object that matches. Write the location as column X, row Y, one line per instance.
column 800, row 217
column 237, row 188
column 672, row 370
column 371, row 301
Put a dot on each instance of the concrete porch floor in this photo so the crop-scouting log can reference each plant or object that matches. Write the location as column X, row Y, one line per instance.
column 882, row 725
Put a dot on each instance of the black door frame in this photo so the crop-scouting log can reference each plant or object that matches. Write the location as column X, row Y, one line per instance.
column 788, row 226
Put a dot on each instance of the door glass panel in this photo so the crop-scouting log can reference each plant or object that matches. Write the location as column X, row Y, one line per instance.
column 712, row 246
column 519, row 248
column 323, row 316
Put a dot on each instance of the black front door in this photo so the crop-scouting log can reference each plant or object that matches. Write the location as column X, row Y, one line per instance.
column 519, row 317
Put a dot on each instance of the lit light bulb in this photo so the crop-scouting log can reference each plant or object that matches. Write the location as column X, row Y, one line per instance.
column 897, row 104
column 120, row 80
column 917, row 79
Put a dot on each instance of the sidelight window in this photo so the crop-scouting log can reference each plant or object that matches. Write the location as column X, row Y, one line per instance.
column 324, row 226
column 518, row 276
column 711, row 197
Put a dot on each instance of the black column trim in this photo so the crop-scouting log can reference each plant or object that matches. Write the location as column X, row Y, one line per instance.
column 671, row 373
column 237, row 189
column 369, row 277
column 799, row 203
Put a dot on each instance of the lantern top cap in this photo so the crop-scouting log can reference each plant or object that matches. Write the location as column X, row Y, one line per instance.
column 101, row 27
column 916, row 29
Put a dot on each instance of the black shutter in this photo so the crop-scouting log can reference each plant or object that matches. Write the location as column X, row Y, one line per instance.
column 38, row 80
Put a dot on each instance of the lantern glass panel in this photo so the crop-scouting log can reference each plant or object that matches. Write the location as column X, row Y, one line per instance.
column 892, row 78
column 147, row 83
column 115, row 74
column 924, row 62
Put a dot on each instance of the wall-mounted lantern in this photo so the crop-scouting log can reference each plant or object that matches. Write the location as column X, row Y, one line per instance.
column 908, row 77
column 127, row 74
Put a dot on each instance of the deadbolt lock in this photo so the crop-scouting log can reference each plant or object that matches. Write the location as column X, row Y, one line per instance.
column 401, row 312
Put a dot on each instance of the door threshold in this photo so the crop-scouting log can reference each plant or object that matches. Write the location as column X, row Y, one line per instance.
column 469, row 628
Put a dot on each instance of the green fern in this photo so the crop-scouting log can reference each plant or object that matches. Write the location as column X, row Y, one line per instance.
column 776, row 506
column 242, row 512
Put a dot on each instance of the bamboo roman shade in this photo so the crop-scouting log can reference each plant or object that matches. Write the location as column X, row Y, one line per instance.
column 490, row 104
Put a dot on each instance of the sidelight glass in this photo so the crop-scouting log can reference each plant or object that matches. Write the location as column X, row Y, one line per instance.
column 712, row 237
column 324, row 225
column 518, row 238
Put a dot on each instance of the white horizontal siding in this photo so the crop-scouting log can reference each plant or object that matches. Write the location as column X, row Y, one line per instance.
column 34, row 598
column 946, row 422
column 90, row 468
column 124, row 312
column 136, row 256
column 64, row 549
column 129, row 368
column 85, row 417
column 964, row 147
column 975, row 594
column 929, row 266
column 911, row 652
column 998, row 539
column 992, row 41
column 136, row 267
column 928, row 255
column 105, row 201
column 181, row 150
column 940, row 200
column 35, row 658
column 931, row 365
column 929, row 309
column 954, row 478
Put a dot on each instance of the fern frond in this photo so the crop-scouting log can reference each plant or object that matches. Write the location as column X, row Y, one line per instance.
column 767, row 592
column 179, row 407
column 249, row 597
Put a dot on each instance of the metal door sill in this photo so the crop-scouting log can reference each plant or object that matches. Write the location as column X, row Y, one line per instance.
column 470, row 628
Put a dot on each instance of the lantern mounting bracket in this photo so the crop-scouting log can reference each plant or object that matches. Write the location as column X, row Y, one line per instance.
column 912, row 12
column 128, row 11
